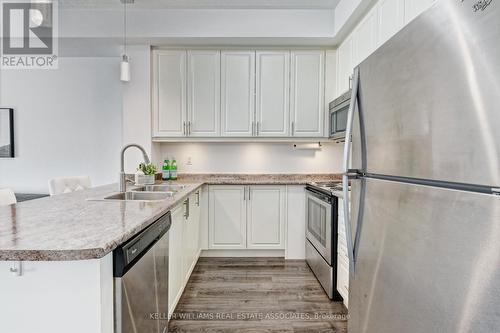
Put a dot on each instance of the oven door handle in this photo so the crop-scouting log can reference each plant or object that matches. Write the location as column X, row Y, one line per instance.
column 346, row 172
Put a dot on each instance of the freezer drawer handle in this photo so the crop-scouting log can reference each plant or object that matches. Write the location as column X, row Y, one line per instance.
column 347, row 171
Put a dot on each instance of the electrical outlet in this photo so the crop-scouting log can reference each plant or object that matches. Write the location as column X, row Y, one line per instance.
column 189, row 162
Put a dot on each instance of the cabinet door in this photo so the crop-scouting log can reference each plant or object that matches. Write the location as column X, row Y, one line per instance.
column 187, row 230
column 343, row 281
column 272, row 93
column 295, row 222
column 390, row 19
column 175, row 261
column 203, row 93
column 342, row 256
column 227, row 217
column 365, row 37
column 238, row 93
column 307, row 93
column 413, row 8
column 192, row 233
column 345, row 66
column 169, row 93
column 266, row 217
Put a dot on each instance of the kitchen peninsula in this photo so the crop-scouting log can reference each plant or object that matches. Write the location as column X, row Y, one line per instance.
column 64, row 243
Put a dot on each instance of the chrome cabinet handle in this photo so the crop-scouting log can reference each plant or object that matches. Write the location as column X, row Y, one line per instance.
column 189, row 128
column 18, row 271
column 253, row 128
column 258, row 123
column 249, row 193
column 350, row 81
column 198, row 199
column 293, row 128
column 184, row 128
column 186, row 209
column 244, row 193
column 345, row 175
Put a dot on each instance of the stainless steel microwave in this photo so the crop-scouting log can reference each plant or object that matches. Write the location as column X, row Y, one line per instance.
column 338, row 116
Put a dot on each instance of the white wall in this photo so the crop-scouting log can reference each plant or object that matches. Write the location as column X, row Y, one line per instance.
column 252, row 158
column 67, row 122
column 137, row 106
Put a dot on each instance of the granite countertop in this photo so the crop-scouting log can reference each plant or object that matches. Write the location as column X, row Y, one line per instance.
column 71, row 227
column 256, row 179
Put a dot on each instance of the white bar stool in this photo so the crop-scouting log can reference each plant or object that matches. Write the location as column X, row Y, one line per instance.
column 7, row 197
column 68, row 184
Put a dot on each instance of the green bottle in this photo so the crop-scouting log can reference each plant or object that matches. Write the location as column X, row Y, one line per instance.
column 173, row 169
column 165, row 174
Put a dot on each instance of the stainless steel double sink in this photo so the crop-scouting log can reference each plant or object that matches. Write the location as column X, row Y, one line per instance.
column 146, row 193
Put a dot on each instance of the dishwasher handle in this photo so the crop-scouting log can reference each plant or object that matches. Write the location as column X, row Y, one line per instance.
column 127, row 254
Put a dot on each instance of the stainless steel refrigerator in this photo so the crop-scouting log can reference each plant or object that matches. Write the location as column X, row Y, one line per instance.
column 424, row 229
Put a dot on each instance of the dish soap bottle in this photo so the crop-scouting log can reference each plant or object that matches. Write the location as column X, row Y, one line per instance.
column 165, row 174
column 173, row 169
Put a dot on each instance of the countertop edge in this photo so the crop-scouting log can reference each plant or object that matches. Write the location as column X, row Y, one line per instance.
column 196, row 180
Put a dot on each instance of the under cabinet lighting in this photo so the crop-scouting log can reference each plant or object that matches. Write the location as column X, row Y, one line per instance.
column 307, row 146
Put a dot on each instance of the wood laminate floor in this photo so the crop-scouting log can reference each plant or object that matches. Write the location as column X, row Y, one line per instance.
column 256, row 295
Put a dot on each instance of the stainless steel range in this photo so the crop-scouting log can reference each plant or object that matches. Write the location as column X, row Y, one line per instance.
column 322, row 233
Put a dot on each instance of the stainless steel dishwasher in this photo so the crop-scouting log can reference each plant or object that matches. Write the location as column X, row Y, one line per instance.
column 140, row 269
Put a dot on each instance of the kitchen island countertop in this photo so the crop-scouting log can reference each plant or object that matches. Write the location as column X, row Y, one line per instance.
column 72, row 227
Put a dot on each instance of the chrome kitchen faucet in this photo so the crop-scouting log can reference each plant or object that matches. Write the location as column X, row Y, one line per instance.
column 123, row 180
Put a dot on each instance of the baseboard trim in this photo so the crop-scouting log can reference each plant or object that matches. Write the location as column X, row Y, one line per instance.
column 242, row 253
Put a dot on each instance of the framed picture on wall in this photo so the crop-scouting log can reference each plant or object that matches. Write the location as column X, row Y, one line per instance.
column 6, row 132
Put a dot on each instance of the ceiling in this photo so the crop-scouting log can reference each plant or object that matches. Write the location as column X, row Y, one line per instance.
column 201, row 4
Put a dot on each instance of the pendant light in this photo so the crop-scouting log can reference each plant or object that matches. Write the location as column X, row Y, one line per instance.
column 125, row 64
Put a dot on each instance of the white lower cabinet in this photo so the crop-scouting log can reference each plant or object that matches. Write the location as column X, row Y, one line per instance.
column 191, row 233
column 246, row 217
column 342, row 256
column 184, row 247
column 266, row 217
column 227, row 217
column 175, row 269
column 295, row 245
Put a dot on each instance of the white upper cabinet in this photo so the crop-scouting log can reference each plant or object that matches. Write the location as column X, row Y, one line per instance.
column 307, row 93
column 390, row 19
column 365, row 37
column 382, row 22
column 413, row 8
column 227, row 217
column 169, row 93
column 238, row 93
column 203, row 103
column 345, row 66
column 272, row 93
column 266, row 217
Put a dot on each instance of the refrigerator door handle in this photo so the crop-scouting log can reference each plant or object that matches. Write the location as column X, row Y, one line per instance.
column 346, row 171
